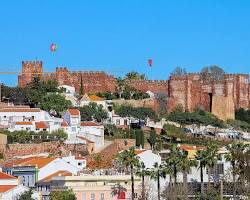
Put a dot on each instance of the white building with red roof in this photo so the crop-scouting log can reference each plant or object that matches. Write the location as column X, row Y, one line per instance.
column 17, row 118
column 11, row 189
column 92, row 132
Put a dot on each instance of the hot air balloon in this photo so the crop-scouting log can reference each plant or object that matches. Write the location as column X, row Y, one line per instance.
column 150, row 62
column 53, row 47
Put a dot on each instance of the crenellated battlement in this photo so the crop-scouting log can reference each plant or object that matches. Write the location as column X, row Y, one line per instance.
column 188, row 90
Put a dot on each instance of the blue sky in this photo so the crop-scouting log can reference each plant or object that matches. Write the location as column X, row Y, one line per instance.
column 120, row 35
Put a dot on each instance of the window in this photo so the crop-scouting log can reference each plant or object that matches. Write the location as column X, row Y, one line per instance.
column 4, row 116
column 92, row 197
column 102, row 196
column 217, row 170
column 117, row 122
column 125, row 122
column 74, row 129
column 79, row 164
column 84, row 196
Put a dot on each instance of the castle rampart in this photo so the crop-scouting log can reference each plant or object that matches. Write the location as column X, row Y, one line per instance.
column 189, row 90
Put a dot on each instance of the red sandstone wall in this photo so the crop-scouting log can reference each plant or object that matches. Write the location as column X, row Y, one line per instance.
column 149, row 85
column 45, row 147
column 188, row 90
column 29, row 70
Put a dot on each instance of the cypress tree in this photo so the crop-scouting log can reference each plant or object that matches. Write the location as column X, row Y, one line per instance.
column 81, row 87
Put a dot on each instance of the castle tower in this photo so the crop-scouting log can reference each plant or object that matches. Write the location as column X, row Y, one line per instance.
column 30, row 69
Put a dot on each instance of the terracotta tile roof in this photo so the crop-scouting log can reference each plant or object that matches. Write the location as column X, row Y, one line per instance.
column 87, row 140
column 5, row 188
column 95, row 98
column 41, row 125
column 32, row 161
column 139, row 151
column 58, row 173
column 85, row 123
column 64, row 124
column 20, row 109
column 16, row 162
column 191, row 148
column 6, row 176
column 73, row 111
column 80, row 158
column 23, row 123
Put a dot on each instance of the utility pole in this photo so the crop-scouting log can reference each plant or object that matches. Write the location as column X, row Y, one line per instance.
column 221, row 188
column 0, row 92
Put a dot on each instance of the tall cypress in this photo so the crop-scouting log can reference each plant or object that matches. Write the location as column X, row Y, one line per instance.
column 81, row 87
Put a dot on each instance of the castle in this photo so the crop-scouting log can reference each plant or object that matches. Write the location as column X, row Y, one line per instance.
column 220, row 97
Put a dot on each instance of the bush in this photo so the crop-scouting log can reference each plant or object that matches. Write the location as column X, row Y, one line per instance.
column 242, row 115
column 63, row 195
column 239, row 125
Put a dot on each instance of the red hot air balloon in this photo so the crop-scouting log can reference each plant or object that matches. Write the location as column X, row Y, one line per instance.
column 150, row 62
column 53, row 47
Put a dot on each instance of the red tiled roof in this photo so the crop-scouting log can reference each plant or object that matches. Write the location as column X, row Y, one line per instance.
column 16, row 162
column 95, row 98
column 80, row 158
column 6, row 176
column 139, row 151
column 32, row 161
column 64, row 124
column 23, row 123
column 58, row 173
column 5, row 188
column 85, row 123
column 190, row 148
column 20, row 109
column 73, row 111
column 40, row 125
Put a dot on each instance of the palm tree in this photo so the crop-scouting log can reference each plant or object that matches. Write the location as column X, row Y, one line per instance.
column 156, row 173
column 234, row 150
column 174, row 160
column 142, row 172
column 201, row 156
column 129, row 159
column 186, row 165
column 120, row 86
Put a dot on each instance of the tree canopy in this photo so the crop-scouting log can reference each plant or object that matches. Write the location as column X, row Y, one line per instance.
column 178, row 71
column 54, row 103
column 243, row 115
column 63, row 195
column 212, row 73
column 135, row 75
column 198, row 118
column 27, row 195
column 139, row 113
column 93, row 112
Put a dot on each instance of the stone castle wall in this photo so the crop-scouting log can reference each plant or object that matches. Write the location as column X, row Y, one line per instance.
column 189, row 90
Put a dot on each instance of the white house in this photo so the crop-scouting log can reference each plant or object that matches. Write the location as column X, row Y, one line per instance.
column 73, row 118
column 122, row 122
column 29, row 119
column 68, row 89
column 89, row 131
column 11, row 189
column 70, row 94
column 77, row 161
column 93, row 132
column 148, row 158
column 15, row 114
